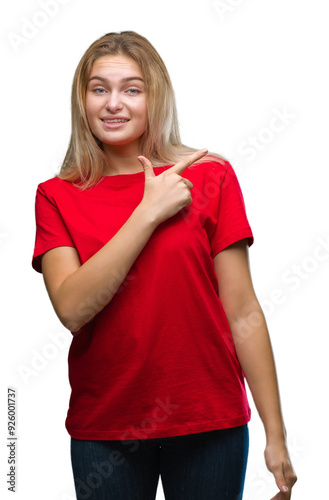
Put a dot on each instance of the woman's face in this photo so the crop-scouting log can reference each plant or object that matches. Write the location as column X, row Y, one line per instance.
column 116, row 101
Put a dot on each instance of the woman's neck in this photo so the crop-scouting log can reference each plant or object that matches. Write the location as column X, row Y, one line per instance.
column 123, row 159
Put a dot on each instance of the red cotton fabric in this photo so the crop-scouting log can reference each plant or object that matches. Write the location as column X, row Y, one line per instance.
column 158, row 360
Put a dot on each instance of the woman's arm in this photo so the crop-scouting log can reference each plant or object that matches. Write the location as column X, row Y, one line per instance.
column 254, row 351
column 79, row 292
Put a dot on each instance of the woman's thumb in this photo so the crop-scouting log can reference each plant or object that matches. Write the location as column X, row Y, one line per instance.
column 147, row 166
column 280, row 480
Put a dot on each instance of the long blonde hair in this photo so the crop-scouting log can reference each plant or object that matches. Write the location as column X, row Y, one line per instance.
column 85, row 160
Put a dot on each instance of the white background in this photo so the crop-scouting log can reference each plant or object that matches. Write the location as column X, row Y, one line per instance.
column 235, row 65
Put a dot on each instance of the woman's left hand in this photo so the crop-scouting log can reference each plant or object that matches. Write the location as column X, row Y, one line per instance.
column 278, row 462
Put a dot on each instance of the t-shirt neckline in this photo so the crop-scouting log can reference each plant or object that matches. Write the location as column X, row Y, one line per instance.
column 127, row 178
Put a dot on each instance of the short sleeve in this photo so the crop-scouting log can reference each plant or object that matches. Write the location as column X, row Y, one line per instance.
column 51, row 230
column 232, row 224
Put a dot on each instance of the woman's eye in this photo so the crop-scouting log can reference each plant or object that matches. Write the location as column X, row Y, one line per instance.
column 100, row 91
column 134, row 91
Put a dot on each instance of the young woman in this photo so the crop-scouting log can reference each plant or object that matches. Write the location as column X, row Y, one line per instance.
column 143, row 245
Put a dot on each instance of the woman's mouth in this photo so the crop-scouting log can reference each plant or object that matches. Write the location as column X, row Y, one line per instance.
column 114, row 123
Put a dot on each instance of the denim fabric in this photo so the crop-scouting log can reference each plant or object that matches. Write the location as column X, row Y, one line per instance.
column 203, row 466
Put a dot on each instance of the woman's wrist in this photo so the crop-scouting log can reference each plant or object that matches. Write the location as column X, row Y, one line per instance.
column 276, row 433
column 147, row 215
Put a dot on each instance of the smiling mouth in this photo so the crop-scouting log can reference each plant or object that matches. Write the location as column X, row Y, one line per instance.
column 117, row 120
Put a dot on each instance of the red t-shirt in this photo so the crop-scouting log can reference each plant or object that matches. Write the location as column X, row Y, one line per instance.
column 159, row 359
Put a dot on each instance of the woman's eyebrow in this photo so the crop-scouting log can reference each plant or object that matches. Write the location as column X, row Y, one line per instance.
column 127, row 79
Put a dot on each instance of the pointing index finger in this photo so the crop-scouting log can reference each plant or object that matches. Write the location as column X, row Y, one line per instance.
column 179, row 167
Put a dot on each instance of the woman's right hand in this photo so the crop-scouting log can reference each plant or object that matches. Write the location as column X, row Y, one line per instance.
column 167, row 193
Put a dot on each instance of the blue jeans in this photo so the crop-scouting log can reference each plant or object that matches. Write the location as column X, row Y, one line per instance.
column 203, row 466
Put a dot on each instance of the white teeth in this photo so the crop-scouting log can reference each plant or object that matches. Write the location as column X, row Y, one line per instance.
column 115, row 121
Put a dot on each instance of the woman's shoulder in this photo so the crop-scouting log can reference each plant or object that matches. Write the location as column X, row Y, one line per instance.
column 56, row 189
column 55, row 184
column 213, row 165
column 217, row 162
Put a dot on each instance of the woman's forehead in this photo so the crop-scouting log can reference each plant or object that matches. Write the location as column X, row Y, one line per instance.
column 113, row 64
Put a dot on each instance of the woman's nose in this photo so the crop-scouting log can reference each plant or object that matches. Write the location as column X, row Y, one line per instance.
column 114, row 102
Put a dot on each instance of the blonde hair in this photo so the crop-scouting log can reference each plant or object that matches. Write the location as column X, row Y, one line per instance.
column 85, row 160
